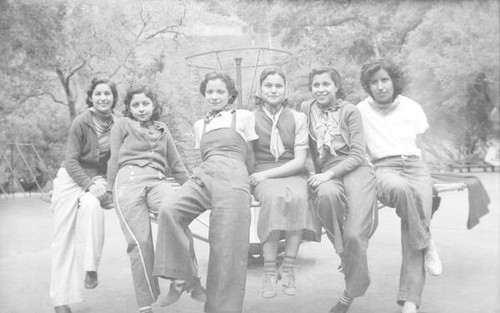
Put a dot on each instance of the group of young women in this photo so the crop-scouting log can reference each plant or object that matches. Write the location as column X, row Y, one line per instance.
column 263, row 153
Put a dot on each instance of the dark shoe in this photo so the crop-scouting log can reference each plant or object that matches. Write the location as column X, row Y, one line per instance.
column 198, row 293
column 91, row 280
column 176, row 289
column 62, row 309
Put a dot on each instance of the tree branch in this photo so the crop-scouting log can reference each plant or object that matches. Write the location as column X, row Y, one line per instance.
column 36, row 95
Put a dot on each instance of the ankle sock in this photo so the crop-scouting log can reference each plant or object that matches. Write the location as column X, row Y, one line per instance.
column 288, row 264
column 270, row 268
column 146, row 309
column 345, row 299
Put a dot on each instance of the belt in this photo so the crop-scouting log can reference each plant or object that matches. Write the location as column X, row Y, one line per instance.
column 398, row 156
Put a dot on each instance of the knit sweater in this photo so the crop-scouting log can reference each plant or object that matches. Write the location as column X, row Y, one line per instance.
column 351, row 129
column 82, row 159
column 132, row 145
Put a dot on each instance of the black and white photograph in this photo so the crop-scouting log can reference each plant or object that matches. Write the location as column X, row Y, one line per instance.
column 249, row 156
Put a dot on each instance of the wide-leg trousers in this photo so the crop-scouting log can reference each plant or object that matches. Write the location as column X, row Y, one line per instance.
column 70, row 202
column 220, row 184
column 348, row 211
column 139, row 191
column 406, row 185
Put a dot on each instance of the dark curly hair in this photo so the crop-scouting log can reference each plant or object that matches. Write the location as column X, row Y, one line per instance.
column 131, row 92
column 97, row 81
column 334, row 75
column 230, row 85
column 395, row 73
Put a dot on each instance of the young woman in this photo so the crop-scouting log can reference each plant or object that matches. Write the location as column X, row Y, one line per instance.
column 220, row 184
column 393, row 123
column 79, row 190
column 280, row 181
column 142, row 152
column 344, row 184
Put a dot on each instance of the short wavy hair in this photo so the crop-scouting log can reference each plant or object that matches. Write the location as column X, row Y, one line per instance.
column 394, row 71
column 228, row 81
column 97, row 81
column 334, row 75
column 131, row 92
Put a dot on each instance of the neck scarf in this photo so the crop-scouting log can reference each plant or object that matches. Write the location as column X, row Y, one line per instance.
column 328, row 129
column 276, row 145
column 215, row 113
column 102, row 122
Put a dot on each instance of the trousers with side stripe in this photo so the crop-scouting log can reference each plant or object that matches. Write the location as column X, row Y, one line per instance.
column 138, row 192
column 347, row 209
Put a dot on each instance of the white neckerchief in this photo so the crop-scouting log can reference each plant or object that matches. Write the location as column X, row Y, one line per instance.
column 276, row 145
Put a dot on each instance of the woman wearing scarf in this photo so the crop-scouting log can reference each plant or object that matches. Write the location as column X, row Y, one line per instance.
column 343, row 187
column 219, row 184
column 280, row 182
column 80, row 192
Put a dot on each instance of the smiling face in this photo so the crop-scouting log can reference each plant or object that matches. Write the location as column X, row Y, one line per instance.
column 216, row 94
column 273, row 90
column 141, row 107
column 381, row 87
column 102, row 98
column 324, row 89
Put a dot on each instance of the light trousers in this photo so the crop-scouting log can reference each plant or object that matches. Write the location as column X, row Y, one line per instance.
column 69, row 203
column 406, row 185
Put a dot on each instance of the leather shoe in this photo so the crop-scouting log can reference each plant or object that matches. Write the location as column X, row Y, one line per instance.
column 198, row 293
column 91, row 280
column 62, row 309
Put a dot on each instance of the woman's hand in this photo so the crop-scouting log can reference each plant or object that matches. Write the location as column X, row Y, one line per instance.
column 256, row 178
column 317, row 179
column 98, row 190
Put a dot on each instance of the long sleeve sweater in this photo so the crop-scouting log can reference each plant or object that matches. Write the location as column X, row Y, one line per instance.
column 132, row 145
column 82, row 159
column 351, row 129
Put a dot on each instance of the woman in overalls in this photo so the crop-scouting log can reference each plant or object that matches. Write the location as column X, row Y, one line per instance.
column 280, row 181
column 220, row 184
column 142, row 152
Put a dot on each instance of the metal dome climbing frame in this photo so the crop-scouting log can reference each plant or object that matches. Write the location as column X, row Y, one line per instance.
column 243, row 64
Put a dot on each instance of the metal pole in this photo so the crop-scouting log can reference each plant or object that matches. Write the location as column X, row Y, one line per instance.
column 238, row 81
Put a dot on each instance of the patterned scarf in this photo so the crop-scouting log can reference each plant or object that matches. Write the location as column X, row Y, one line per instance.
column 215, row 113
column 328, row 130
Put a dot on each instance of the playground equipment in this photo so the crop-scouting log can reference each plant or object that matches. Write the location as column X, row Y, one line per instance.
column 240, row 63
column 24, row 169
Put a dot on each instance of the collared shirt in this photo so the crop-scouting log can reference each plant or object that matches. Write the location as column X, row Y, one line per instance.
column 325, row 129
column 394, row 133
column 245, row 125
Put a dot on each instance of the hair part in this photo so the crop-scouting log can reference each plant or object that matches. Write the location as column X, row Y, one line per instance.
column 131, row 92
column 334, row 75
column 98, row 81
column 226, row 79
column 394, row 71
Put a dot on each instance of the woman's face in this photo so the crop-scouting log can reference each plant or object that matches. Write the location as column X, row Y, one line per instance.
column 324, row 89
column 102, row 98
column 273, row 89
column 141, row 107
column 381, row 87
column 216, row 94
